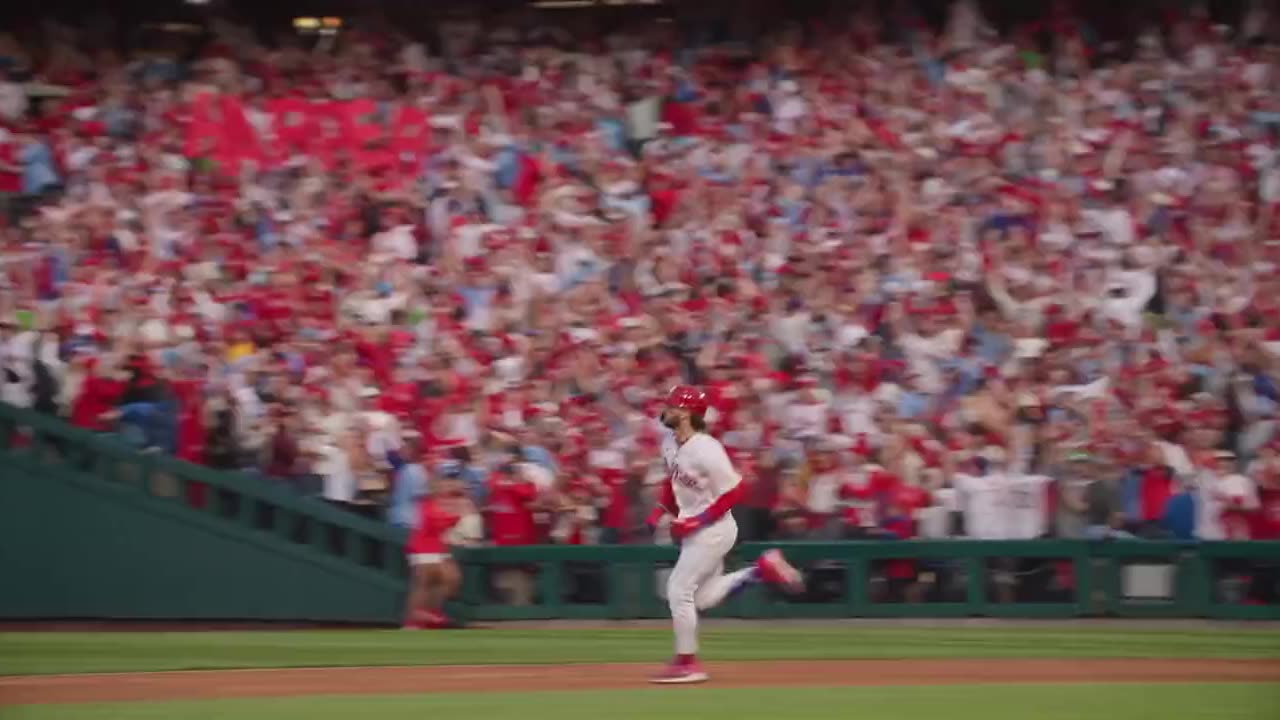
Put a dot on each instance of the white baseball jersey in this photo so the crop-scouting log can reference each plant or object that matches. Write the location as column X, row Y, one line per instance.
column 700, row 472
column 982, row 497
column 1027, row 507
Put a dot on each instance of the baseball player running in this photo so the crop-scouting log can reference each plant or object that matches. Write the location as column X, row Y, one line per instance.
column 702, row 488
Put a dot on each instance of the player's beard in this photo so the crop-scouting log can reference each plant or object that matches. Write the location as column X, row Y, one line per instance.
column 669, row 420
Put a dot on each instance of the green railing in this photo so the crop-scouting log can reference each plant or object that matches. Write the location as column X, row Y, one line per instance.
column 962, row 578
column 274, row 554
column 287, row 530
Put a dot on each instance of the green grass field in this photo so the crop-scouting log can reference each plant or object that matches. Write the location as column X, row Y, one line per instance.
column 70, row 653
column 979, row 702
column 44, row 653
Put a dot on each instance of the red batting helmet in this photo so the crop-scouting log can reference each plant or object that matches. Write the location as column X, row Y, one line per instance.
column 689, row 398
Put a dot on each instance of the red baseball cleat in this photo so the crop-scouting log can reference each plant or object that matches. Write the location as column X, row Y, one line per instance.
column 417, row 620
column 678, row 673
column 440, row 621
column 775, row 569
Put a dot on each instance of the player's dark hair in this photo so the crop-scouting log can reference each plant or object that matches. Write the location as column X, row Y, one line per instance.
column 698, row 423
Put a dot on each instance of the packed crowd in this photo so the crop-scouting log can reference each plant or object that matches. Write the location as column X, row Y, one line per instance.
column 936, row 281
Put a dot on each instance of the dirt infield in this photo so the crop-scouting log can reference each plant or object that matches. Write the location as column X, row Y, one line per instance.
column 211, row 684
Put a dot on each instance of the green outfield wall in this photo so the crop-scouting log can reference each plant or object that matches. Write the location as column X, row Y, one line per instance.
column 91, row 529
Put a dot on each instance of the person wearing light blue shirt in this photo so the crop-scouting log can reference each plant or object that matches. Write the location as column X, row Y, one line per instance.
column 993, row 347
column 38, row 171
column 460, row 465
column 508, row 160
column 411, row 485
column 614, row 132
column 912, row 404
column 539, row 455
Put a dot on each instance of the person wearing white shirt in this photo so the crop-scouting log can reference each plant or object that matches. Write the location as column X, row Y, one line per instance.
column 857, row 411
column 807, row 414
column 791, row 331
column 335, row 468
column 397, row 242
column 1127, row 294
column 574, row 262
column 16, row 356
column 382, row 433
column 982, row 500
column 463, row 425
column 13, row 100
column 1218, row 491
column 1027, row 506
column 789, row 107
column 1116, row 223
column 933, row 343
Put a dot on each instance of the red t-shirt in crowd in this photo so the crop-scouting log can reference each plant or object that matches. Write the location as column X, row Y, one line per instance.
column 191, row 434
column 1157, row 488
column 528, row 178
column 399, row 399
column 434, row 522
column 98, row 395
column 903, row 528
column 910, row 497
column 682, row 116
column 510, row 513
column 10, row 181
column 1266, row 519
column 868, row 498
column 664, row 203
column 378, row 357
column 615, row 512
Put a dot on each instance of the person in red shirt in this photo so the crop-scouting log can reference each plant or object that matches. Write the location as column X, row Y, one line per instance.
column 866, row 494
column 511, row 505
column 400, row 398
column 1265, row 471
column 1265, row 521
column 1157, row 487
column 511, row 515
column 897, row 523
column 191, row 433
column 99, row 395
column 10, row 174
column 435, row 575
column 609, row 467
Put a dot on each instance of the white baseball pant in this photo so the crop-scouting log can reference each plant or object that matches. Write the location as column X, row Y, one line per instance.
column 698, row 582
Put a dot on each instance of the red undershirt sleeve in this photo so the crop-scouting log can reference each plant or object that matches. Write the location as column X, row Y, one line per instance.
column 722, row 505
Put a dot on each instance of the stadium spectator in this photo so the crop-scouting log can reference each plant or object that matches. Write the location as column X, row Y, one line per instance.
column 411, row 484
